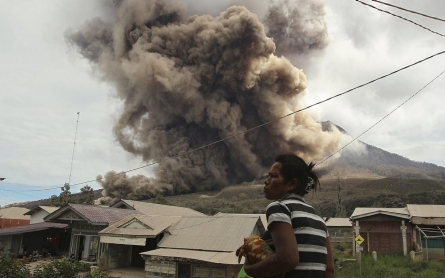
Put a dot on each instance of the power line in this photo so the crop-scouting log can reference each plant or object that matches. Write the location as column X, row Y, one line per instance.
column 253, row 128
column 403, row 9
column 401, row 18
column 381, row 119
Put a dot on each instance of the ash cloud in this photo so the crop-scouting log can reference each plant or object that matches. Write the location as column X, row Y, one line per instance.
column 188, row 81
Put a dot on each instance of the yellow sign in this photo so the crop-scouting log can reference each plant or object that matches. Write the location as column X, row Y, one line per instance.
column 359, row 239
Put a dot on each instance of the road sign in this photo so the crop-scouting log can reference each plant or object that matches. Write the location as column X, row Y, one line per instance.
column 359, row 248
column 359, row 239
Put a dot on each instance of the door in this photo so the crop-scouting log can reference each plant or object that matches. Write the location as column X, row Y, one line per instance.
column 15, row 245
column 184, row 270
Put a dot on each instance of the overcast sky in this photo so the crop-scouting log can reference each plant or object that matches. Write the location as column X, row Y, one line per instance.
column 44, row 83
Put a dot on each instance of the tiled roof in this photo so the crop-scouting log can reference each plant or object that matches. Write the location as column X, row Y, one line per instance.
column 155, row 225
column 14, row 213
column 210, row 233
column 31, row 228
column 157, row 209
column 94, row 214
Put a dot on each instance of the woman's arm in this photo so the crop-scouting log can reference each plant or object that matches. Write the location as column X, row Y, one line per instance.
column 286, row 253
column 330, row 272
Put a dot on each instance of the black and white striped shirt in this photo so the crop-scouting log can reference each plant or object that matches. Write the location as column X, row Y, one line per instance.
column 310, row 231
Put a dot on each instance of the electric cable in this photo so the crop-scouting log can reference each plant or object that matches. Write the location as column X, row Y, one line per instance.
column 250, row 129
column 414, row 12
column 380, row 119
column 366, row 4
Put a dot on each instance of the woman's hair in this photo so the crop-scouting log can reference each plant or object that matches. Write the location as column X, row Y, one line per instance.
column 294, row 167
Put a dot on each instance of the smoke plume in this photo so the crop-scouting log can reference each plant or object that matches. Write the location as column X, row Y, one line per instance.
column 188, row 81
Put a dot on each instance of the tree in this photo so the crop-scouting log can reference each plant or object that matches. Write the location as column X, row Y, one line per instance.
column 11, row 268
column 64, row 197
column 87, row 195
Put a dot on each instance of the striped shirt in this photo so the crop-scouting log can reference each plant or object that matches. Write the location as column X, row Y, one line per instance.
column 310, row 232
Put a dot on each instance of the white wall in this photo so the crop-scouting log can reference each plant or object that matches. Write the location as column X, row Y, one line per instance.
column 37, row 217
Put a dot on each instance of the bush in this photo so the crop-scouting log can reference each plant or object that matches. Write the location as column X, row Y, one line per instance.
column 62, row 268
column 96, row 273
column 11, row 268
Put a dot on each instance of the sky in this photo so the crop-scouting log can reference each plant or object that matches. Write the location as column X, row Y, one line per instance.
column 44, row 83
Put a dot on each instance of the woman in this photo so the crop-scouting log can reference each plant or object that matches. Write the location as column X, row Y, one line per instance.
column 295, row 232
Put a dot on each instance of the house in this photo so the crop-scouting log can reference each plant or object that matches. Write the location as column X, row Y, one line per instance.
column 44, row 238
column 39, row 212
column 155, row 209
column 13, row 216
column 85, row 222
column 340, row 230
column 202, row 246
column 429, row 232
column 128, row 237
column 384, row 230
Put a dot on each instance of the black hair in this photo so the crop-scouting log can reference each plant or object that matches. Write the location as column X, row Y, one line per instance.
column 294, row 167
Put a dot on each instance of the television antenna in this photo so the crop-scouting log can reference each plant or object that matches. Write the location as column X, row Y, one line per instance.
column 74, row 147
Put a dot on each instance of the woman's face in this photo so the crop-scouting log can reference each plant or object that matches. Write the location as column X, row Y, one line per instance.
column 275, row 187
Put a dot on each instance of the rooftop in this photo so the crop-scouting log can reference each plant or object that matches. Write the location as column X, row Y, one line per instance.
column 366, row 212
column 31, row 228
column 96, row 215
column 211, row 233
column 156, row 209
column 14, row 213
column 140, row 225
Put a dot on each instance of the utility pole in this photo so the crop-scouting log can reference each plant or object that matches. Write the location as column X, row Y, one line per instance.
column 74, row 146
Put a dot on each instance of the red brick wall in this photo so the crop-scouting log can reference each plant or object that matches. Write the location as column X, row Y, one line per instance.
column 385, row 236
column 6, row 223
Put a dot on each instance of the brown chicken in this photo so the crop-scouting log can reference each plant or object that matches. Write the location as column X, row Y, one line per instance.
column 254, row 250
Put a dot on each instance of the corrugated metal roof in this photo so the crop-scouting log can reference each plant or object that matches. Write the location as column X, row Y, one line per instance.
column 94, row 214
column 31, row 228
column 338, row 222
column 262, row 217
column 431, row 215
column 155, row 225
column 14, row 213
column 211, row 233
column 426, row 211
column 45, row 208
column 157, row 209
column 227, row 258
column 365, row 212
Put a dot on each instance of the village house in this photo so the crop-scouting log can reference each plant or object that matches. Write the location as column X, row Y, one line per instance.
column 384, row 230
column 429, row 228
column 85, row 222
column 340, row 230
column 38, row 213
column 37, row 237
column 129, row 233
column 13, row 216
column 128, row 237
column 202, row 246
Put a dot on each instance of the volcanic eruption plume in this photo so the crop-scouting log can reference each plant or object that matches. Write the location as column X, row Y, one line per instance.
column 187, row 82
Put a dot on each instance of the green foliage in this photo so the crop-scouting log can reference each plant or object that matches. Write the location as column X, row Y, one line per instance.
column 96, row 273
column 387, row 266
column 160, row 200
column 12, row 268
column 62, row 268
column 64, row 197
column 86, row 195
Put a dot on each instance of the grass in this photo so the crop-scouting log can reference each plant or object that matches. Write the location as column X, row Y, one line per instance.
column 386, row 266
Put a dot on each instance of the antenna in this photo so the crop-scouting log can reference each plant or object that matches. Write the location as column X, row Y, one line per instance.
column 75, row 138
